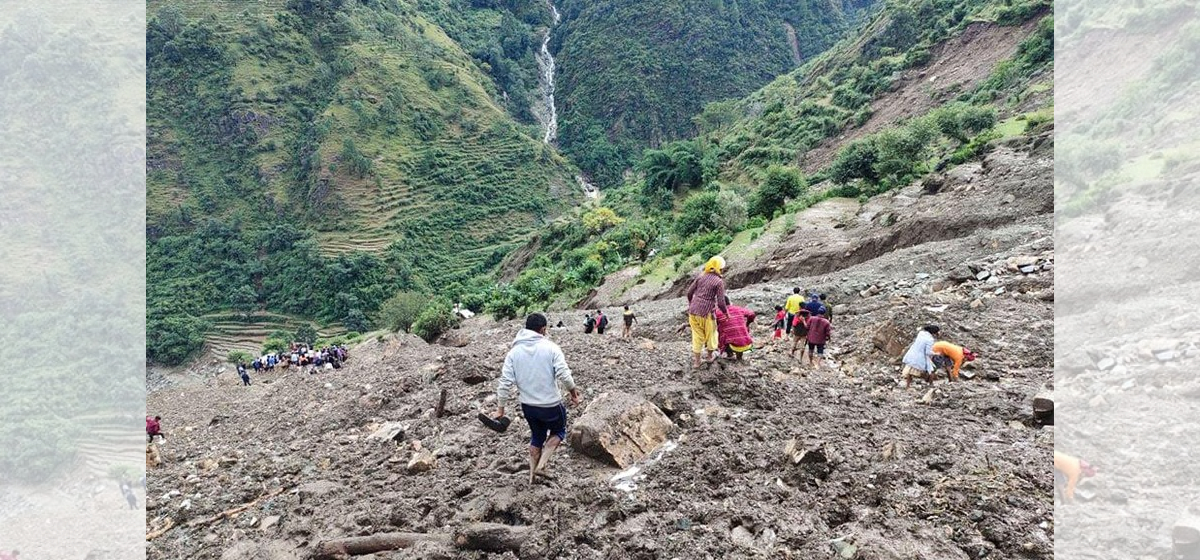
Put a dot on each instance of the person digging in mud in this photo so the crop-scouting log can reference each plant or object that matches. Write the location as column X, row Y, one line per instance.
column 918, row 360
column 629, row 319
column 1067, row 471
column 733, row 330
column 819, row 332
column 950, row 357
column 589, row 323
column 705, row 296
column 154, row 428
column 799, row 330
column 535, row 366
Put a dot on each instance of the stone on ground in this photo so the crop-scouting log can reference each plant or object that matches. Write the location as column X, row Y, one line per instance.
column 619, row 428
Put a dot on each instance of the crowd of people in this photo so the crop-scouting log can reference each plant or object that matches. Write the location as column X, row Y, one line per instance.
column 298, row 354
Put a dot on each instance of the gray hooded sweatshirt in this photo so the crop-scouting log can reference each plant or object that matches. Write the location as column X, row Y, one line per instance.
column 535, row 366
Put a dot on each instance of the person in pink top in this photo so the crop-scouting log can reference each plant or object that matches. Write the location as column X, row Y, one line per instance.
column 819, row 332
column 733, row 330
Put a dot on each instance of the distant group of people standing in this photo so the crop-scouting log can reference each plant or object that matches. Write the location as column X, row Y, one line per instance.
column 299, row 354
column 598, row 322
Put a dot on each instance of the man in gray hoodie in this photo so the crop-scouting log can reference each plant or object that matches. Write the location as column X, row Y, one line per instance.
column 535, row 366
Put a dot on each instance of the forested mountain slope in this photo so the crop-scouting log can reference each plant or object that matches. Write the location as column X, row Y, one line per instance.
column 922, row 87
column 634, row 73
column 312, row 157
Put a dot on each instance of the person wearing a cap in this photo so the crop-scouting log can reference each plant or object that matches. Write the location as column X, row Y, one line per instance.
column 535, row 367
column 950, row 357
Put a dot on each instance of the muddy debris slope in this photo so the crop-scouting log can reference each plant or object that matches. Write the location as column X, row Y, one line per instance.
column 772, row 458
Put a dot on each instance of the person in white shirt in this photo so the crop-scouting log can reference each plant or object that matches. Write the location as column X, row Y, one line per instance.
column 535, row 367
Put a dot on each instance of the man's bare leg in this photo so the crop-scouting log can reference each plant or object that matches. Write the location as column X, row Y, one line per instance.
column 695, row 360
column 547, row 455
column 535, row 455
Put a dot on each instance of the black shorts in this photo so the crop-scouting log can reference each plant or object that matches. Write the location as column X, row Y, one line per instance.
column 818, row 349
column 545, row 421
column 798, row 334
column 940, row 361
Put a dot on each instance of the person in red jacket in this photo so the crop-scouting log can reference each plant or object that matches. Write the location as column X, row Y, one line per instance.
column 154, row 428
column 819, row 332
column 733, row 330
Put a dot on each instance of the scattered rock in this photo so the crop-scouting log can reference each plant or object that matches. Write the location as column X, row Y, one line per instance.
column 983, row 275
column 421, row 461
column 742, row 537
column 619, row 428
column 1106, row 364
column 310, row 491
column 393, row 431
column 268, row 522
column 795, row 454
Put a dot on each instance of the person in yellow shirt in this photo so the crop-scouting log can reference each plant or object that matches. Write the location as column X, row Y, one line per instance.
column 950, row 357
column 792, row 307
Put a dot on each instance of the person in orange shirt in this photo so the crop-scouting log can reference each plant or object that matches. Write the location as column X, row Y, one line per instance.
column 1070, row 469
column 951, row 357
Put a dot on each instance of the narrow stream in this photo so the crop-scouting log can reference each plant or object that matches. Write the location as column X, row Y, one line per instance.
column 548, row 113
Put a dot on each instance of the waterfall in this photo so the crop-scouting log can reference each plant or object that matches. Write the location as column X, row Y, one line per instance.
column 547, row 113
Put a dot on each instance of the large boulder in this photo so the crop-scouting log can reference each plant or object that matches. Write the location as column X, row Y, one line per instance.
column 891, row 339
column 619, row 429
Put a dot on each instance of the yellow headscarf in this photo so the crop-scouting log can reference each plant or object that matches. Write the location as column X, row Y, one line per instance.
column 715, row 265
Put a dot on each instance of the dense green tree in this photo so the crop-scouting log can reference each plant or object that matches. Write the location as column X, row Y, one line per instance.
column 400, row 311
column 779, row 185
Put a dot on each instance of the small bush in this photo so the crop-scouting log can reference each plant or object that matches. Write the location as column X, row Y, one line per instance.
column 238, row 357
column 698, row 215
column 435, row 320
column 731, row 211
column 273, row 345
column 306, row 334
column 400, row 311
column 779, row 185
column 601, row 219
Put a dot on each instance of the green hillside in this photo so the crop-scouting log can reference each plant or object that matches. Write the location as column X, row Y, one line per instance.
column 755, row 161
column 634, row 73
column 312, row 157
